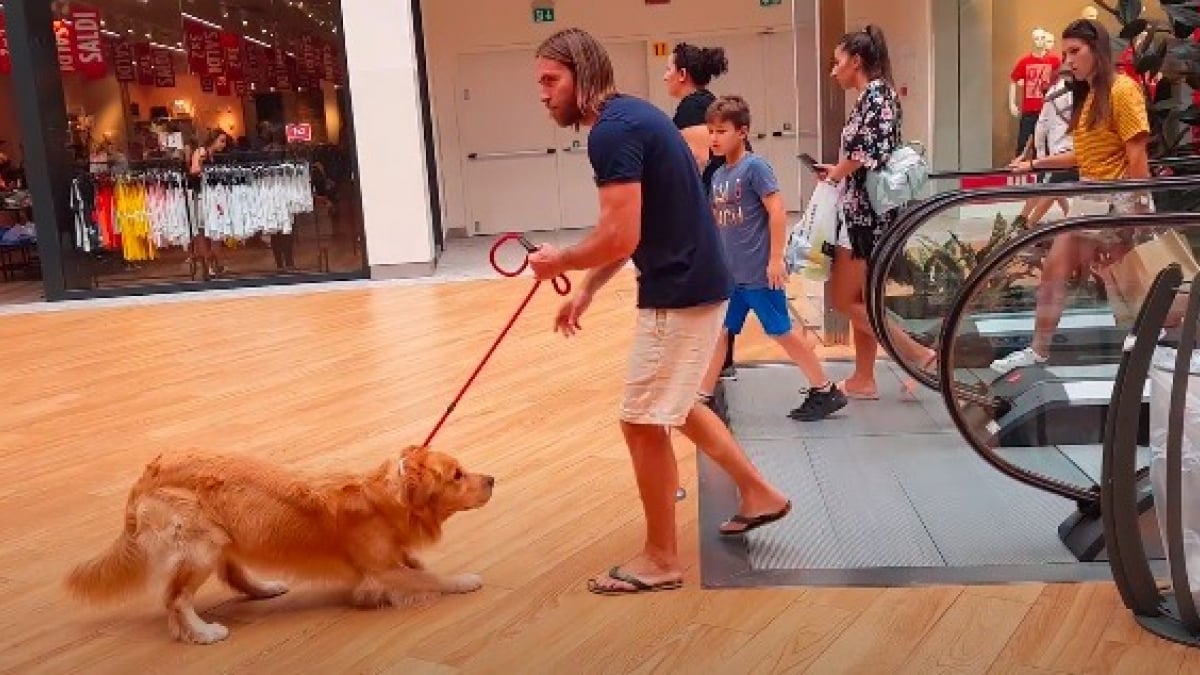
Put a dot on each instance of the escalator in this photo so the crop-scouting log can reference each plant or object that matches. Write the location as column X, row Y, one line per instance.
column 1040, row 422
column 1137, row 506
column 889, row 492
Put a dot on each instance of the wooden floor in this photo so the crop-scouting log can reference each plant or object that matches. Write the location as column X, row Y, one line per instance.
column 342, row 379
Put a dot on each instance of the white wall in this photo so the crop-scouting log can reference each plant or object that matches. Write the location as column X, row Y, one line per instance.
column 453, row 28
column 382, row 70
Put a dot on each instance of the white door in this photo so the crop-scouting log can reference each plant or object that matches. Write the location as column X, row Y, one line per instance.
column 779, row 117
column 509, row 143
column 578, row 200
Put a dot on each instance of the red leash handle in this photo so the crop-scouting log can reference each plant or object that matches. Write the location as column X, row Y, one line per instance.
column 562, row 284
column 563, row 288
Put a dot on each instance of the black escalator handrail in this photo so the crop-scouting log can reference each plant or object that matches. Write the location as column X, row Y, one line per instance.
column 946, row 338
column 1119, row 475
column 914, row 217
column 1180, row 579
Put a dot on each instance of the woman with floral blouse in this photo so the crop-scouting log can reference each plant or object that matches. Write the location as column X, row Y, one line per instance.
column 871, row 134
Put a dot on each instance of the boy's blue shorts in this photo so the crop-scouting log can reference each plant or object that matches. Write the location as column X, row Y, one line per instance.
column 769, row 305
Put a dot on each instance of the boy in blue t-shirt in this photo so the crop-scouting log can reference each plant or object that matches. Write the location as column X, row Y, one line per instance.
column 750, row 217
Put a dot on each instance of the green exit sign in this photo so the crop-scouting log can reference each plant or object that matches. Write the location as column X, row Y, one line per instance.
column 768, row 3
column 546, row 14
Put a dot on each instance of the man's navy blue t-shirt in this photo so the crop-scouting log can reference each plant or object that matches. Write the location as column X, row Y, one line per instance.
column 680, row 259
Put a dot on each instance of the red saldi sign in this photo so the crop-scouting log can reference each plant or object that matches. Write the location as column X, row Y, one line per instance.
column 145, row 63
column 123, row 61
column 88, row 42
column 214, row 53
column 66, row 52
column 5, row 59
column 164, row 68
column 193, row 42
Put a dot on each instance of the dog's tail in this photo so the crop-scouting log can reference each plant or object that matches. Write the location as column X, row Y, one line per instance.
column 124, row 567
column 119, row 571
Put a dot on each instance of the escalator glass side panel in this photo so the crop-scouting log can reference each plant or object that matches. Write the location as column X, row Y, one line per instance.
column 1032, row 345
column 921, row 267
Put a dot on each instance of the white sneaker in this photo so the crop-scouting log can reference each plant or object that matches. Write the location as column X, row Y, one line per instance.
column 1022, row 359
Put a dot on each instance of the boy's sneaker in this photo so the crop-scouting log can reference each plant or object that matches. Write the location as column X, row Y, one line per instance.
column 1020, row 359
column 819, row 404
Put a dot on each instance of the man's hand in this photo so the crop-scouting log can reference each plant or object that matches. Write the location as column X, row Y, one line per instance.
column 567, row 321
column 776, row 275
column 546, row 262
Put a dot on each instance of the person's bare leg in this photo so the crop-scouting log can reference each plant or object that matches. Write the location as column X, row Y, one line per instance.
column 657, row 479
column 848, row 282
column 1062, row 259
column 1042, row 207
column 716, row 365
column 804, row 356
column 713, row 438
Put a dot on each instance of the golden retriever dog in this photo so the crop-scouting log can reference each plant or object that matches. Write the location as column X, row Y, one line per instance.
column 196, row 515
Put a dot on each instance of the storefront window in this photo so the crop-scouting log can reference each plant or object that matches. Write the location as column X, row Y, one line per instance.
column 1007, row 53
column 211, row 142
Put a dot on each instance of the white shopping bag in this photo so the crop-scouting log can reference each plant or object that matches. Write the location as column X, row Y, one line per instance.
column 1162, row 374
column 810, row 244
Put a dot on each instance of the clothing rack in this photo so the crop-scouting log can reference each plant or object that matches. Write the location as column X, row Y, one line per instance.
column 135, row 211
column 127, row 216
column 131, row 215
column 260, row 194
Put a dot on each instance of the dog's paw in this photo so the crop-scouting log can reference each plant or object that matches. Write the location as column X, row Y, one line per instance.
column 200, row 634
column 213, row 632
column 465, row 583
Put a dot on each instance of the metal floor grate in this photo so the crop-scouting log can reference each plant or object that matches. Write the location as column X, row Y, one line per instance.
column 884, row 492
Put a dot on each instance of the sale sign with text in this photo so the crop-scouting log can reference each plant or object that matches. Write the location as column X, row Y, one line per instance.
column 123, row 61
column 87, row 42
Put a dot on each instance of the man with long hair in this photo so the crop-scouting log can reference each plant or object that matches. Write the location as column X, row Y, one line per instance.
column 652, row 209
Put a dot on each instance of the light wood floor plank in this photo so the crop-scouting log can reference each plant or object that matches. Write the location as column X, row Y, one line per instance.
column 968, row 637
column 342, row 379
column 884, row 635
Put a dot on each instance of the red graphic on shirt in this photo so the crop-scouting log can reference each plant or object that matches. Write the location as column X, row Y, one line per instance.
column 1037, row 73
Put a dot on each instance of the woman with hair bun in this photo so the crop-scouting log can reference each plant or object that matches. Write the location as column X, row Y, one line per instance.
column 689, row 71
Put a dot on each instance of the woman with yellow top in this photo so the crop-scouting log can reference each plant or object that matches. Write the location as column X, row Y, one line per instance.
column 1111, row 131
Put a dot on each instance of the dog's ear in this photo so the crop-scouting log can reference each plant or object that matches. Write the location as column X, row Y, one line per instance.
column 420, row 479
column 411, row 458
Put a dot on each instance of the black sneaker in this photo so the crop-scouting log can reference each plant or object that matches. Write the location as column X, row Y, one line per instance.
column 819, row 404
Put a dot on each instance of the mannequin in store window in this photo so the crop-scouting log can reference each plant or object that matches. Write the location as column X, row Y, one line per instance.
column 202, row 247
column 1030, row 79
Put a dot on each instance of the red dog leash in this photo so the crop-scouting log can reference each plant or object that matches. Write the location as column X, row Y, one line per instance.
column 562, row 286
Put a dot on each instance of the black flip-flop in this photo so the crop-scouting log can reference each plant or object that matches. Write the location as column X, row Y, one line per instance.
column 639, row 586
column 755, row 522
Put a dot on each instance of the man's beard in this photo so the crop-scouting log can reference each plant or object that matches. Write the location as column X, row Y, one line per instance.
column 569, row 116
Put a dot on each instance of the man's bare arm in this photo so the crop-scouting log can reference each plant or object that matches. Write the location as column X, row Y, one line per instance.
column 617, row 233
